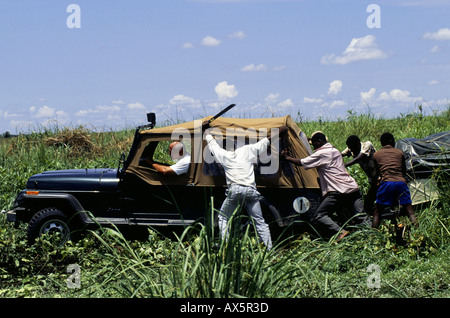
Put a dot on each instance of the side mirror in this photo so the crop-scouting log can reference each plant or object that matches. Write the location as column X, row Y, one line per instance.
column 151, row 118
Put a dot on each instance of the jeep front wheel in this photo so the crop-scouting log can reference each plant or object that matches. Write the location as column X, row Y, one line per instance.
column 49, row 221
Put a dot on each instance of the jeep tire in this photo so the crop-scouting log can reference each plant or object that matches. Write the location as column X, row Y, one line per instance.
column 49, row 220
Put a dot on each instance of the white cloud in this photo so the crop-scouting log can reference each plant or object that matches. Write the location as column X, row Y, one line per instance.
column 188, row 45
column 271, row 98
column 61, row 113
column 254, row 68
column 441, row 102
column 365, row 96
column 225, row 91
column 210, row 41
column 45, row 112
column 239, row 35
column 398, row 95
column 441, row 35
column 287, row 103
column 45, row 115
column 433, row 82
column 101, row 109
column 107, row 108
column 384, row 96
column 335, row 87
column 364, row 48
column 7, row 115
column 83, row 112
column 261, row 67
column 184, row 100
column 135, row 106
column 312, row 100
column 21, row 125
column 279, row 68
column 435, row 49
column 334, row 104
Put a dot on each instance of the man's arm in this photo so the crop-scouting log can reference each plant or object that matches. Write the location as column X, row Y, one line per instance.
column 346, row 152
column 166, row 170
column 295, row 161
column 281, row 131
column 377, row 168
column 218, row 152
column 262, row 145
column 354, row 160
column 404, row 172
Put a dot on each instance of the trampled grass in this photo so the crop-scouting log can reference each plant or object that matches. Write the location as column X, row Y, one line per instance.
column 367, row 263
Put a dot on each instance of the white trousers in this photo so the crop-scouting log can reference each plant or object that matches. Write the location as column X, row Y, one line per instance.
column 239, row 196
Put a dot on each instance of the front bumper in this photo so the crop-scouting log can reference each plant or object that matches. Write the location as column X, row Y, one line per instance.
column 11, row 216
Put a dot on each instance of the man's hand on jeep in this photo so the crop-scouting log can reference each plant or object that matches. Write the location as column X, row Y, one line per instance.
column 282, row 130
column 205, row 125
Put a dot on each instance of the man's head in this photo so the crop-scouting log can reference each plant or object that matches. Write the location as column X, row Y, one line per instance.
column 387, row 139
column 318, row 139
column 354, row 144
column 176, row 150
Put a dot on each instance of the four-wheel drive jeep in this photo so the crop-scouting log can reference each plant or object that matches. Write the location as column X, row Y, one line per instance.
column 135, row 194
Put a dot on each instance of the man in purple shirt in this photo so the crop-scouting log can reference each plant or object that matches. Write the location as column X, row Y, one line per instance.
column 339, row 190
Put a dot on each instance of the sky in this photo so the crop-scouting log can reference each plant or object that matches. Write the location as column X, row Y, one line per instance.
column 104, row 64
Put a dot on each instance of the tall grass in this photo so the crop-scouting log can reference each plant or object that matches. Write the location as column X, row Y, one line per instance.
column 25, row 155
column 370, row 127
column 197, row 263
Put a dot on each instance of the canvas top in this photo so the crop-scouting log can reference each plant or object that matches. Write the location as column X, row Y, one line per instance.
column 204, row 173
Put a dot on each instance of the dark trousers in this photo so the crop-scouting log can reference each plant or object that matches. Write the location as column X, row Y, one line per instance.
column 371, row 196
column 346, row 205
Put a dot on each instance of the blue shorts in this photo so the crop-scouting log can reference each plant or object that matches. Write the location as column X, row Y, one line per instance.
column 393, row 193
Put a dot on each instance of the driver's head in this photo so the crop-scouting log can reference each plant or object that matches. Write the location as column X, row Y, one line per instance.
column 176, row 150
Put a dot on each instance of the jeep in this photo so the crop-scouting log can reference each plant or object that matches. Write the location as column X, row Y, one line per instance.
column 135, row 195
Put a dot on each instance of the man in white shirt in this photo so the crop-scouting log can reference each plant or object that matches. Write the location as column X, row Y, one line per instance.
column 178, row 152
column 240, row 178
column 339, row 190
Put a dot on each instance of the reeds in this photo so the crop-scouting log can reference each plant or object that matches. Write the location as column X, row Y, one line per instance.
column 197, row 263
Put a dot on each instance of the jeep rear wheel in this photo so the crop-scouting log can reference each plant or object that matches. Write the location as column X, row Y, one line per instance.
column 49, row 221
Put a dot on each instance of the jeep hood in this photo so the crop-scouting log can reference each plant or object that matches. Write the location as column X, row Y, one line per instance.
column 77, row 179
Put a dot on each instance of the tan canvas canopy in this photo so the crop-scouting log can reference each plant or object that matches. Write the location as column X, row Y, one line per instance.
column 204, row 173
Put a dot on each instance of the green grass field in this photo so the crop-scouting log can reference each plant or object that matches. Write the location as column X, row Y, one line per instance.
column 367, row 263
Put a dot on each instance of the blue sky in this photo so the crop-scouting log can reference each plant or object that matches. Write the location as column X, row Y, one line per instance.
column 185, row 59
